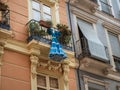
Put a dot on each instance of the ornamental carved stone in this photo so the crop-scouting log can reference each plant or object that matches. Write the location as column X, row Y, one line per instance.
column 34, row 64
column 65, row 67
column 2, row 43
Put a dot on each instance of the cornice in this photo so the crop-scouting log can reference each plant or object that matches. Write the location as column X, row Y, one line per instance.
column 112, row 27
column 107, row 18
column 84, row 15
column 50, row 2
column 5, row 33
column 99, row 68
column 17, row 46
column 35, row 48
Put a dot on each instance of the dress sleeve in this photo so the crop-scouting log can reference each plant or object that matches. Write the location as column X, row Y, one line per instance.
column 57, row 33
column 50, row 31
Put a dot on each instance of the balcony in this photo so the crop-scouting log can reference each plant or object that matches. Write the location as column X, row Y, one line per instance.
column 4, row 21
column 89, row 60
column 86, row 52
column 95, row 1
column 117, row 63
column 42, row 35
column 4, row 16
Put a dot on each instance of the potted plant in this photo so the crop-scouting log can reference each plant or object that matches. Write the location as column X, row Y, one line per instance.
column 35, row 29
column 3, row 6
column 42, row 32
column 46, row 24
column 65, row 35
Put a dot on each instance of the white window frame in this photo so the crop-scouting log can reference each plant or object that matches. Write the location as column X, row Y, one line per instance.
column 41, row 4
column 110, row 48
column 110, row 3
column 54, row 10
column 88, row 79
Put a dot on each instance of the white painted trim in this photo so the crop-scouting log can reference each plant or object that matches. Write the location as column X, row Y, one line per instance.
column 29, row 9
column 118, row 3
column 88, row 79
column 100, row 8
column 110, row 2
column 110, row 50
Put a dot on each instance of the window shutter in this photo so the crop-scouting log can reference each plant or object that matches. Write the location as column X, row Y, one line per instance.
column 96, row 48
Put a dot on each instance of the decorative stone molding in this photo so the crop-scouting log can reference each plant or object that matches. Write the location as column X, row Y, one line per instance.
column 50, row 65
column 34, row 64
column 84, row 15
column 89, row 64
column 49, row 1
column 65, row 67
column 112, row 27
column 2, row 44
column 86, row 5
column 5, row 33
column 34, row 48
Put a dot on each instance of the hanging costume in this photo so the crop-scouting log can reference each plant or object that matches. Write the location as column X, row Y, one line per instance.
column 56, row 52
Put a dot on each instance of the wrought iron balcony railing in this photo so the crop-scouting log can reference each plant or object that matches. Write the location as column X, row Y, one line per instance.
column 5, row 19
column 117, row 63
column 42, row 34
column 85, row 50
column 95, row 1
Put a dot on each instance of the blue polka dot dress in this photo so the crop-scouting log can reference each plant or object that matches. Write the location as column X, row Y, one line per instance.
column 56, row 52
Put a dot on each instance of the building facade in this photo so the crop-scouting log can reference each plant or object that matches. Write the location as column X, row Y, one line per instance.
column 95, row 26
column 93, row 52
column 24, row 62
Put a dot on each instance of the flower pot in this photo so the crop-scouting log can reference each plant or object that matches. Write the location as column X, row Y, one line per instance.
column 3, row 7
column 44, row 24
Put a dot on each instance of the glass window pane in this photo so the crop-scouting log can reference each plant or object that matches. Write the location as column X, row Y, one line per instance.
column 36, row 15
column 53, row 82
column 106, row 8
column 46, row 9
column 41, row 89
column 47, row 17
column 94, row 86
column 115, row 45
column 105, row 1
column 41, row 81
column 35, row 5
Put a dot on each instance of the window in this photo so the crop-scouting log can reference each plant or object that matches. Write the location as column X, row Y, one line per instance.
column 118, row 87
column 115, row 46
column 94, row 84
column 106, row 7
column 41, row 11
column 90, row 42
column 45, row 82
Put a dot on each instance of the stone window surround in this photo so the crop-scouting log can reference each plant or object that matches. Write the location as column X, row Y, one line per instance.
column 48, row 78
column 110, row 48
column 96, row 81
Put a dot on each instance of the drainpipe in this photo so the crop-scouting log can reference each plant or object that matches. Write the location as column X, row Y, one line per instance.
column 77, row 69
